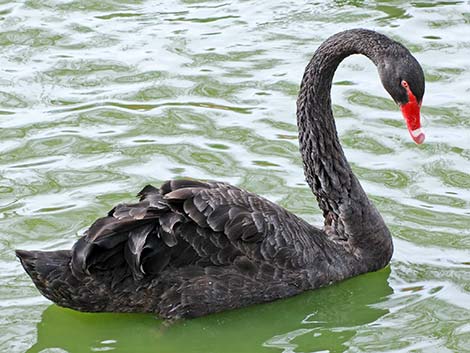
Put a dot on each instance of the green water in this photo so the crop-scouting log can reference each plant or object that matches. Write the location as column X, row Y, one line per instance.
column 99, row 98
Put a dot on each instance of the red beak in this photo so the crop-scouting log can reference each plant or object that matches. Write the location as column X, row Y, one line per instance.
column 411, row 113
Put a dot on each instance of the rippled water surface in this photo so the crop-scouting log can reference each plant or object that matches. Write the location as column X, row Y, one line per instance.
column 98, row 98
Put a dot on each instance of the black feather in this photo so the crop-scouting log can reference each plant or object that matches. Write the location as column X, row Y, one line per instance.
column 169, row 238
column 191, row 210
column 234, row 227
column 180, row 194
column 218, row 217
column 135, row 245
column 146, row 191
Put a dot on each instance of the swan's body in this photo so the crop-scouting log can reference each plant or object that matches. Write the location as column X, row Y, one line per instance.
column 192, row 248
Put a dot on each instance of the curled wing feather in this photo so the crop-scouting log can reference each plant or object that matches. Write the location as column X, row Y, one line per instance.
column 188, row 222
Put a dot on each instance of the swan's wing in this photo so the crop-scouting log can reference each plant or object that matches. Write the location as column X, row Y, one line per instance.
column 257, row 227
column 189, row 222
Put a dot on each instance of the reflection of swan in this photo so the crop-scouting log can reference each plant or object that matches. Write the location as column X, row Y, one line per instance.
column 192, row 248
column 332, row 314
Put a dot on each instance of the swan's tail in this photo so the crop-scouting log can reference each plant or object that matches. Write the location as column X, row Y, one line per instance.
column 48, row 270
column 52, row 275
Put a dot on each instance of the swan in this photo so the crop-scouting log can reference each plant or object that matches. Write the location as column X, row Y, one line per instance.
column 192, row 248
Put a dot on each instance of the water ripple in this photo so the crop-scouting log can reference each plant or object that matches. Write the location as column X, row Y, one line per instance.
column 99, row 98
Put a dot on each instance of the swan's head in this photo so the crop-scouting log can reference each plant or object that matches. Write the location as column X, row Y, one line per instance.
column 403, row 78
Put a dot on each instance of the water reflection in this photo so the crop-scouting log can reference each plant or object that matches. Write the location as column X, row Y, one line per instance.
column 325, row 319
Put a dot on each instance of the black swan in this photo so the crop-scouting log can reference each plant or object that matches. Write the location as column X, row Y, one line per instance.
column 192, row 248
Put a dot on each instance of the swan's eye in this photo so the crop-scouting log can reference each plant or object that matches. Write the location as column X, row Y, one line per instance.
column 404, row 84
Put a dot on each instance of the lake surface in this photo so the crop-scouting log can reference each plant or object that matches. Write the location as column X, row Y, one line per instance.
column 99, row 98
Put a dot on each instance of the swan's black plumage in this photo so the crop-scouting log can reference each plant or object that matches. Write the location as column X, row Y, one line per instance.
column 191, row 248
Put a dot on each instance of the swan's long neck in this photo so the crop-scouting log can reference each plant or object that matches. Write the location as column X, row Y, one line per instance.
column 348, row 212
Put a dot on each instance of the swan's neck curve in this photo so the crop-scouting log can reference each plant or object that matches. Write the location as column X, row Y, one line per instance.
column 349, row 214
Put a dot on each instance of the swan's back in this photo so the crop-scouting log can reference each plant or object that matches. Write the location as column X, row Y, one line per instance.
column 188, row 249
